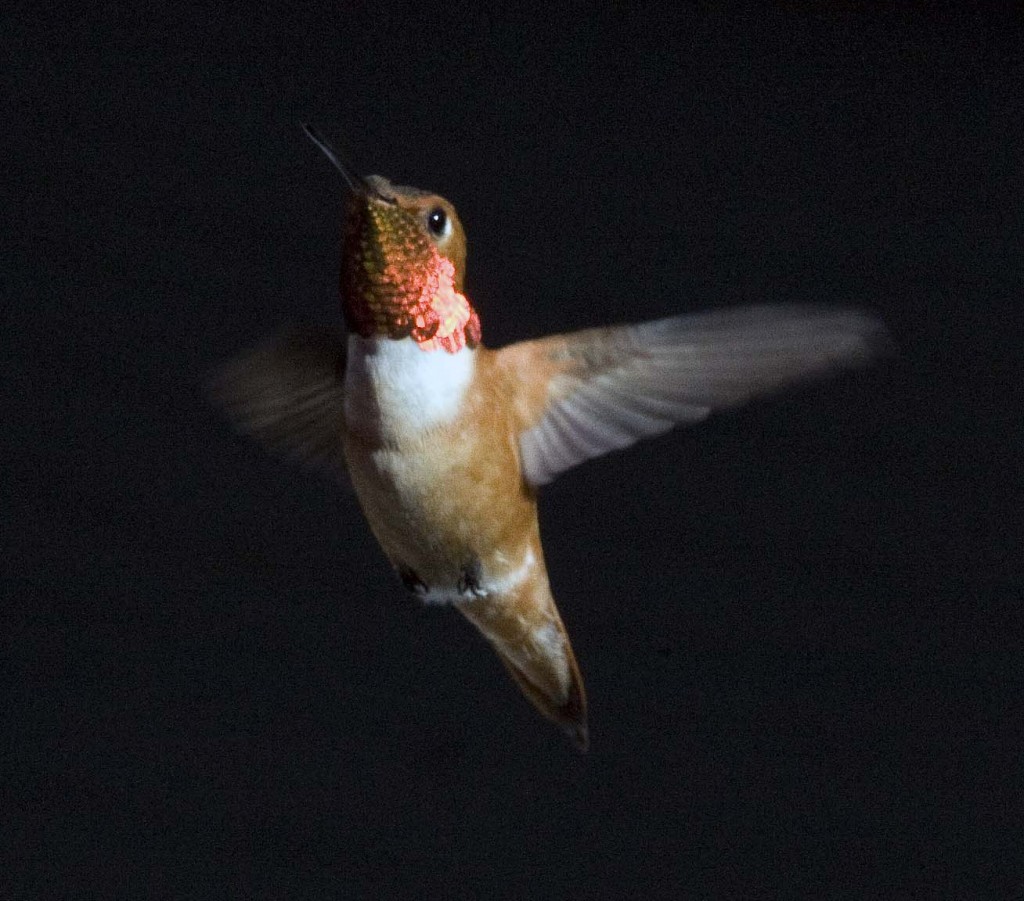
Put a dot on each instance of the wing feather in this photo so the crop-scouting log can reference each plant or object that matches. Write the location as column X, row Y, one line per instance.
column 288, row 393
column 609, row 388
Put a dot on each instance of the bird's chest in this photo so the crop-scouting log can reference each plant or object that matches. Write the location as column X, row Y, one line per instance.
column 396, row 393
column 434, row 463
column 407, row 443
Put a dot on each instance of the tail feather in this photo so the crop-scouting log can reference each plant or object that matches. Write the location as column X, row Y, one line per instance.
column 526, row 631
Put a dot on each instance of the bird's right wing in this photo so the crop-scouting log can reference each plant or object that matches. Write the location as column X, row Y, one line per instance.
column 288, row 393
column 601, row 389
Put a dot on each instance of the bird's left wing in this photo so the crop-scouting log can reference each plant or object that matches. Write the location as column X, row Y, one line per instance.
column 594, row 391
column 288, row 392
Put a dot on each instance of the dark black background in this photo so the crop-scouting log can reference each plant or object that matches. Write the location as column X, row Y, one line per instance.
column 799, row 624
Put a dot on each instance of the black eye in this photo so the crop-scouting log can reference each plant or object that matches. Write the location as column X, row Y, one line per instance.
column 437, row 221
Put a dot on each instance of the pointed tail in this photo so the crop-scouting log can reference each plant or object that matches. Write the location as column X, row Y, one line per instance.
column 525, row 629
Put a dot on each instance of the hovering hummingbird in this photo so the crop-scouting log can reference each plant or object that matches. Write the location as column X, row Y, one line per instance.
column 447, row 441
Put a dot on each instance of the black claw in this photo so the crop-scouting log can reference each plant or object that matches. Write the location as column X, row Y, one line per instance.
column 469, row 578
column 413, row 583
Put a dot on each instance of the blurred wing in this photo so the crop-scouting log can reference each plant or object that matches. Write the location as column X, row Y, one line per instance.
column 288, row 393
column 610, row 387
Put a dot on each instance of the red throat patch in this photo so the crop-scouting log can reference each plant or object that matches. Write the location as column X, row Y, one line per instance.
column 395, row 283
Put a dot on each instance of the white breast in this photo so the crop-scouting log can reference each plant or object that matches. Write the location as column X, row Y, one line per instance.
column 393, row 388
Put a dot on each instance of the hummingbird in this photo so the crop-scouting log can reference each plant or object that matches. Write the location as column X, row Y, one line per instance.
column 447, row 442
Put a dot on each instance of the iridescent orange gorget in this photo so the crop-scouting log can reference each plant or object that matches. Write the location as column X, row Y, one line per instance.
column 396, row 284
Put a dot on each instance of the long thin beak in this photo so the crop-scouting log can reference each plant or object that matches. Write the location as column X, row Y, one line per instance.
column 356, row 184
